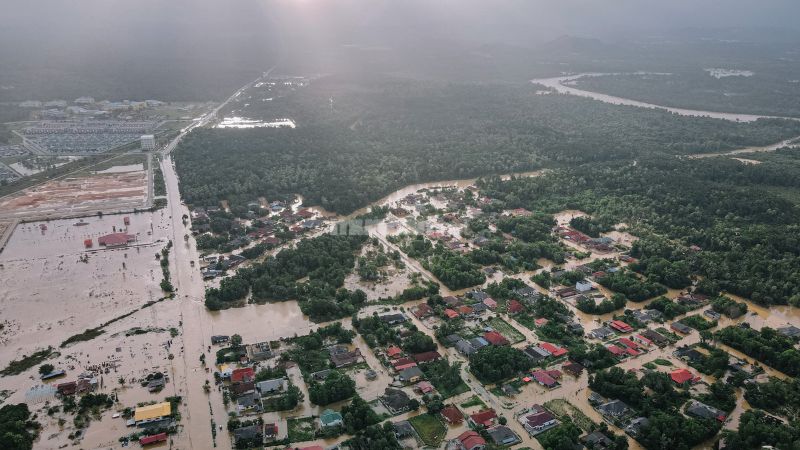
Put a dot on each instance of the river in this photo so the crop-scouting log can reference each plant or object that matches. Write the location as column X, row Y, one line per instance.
column 562, row 85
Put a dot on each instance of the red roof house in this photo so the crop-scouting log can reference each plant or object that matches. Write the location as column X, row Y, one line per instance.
column 465, row 310
column 680, row 376
column 515, row 307
column 160, row 437
column 495, row 338
column 628, row 343
column 553, row 349
column 616, row 351
column 452, row 415
column 393, row 351
column 490, row 303
column 621, row 326
column 544, row 379
column 116, row 239
column 485, row 418
column 471, row 440
column 422, row 311
column 450, row 313
column 424, row 387
column 426, row 357
column 243, row 375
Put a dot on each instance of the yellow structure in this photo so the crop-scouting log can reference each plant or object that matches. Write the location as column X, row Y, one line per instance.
column 152, row 412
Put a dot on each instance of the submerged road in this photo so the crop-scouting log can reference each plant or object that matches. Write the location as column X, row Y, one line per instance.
column 203, row 411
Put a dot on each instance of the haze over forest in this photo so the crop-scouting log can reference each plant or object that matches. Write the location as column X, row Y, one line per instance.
column 185, row 50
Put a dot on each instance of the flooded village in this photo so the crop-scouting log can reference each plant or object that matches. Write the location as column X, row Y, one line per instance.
column 130, row 363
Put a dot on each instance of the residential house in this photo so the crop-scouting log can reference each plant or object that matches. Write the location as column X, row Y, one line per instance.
column 347, row 358
column 689, row 354
column 270, row 430
column 681, row 376
column 681, row 328
column 790, row 331
column 330, row 418
column 703, row 411
column 620, row 326
column 243, row 375
column 422, row 311
column 583, row 286
column 426, row 357
column 151, row 413
column 515, row 307
column 537, row 420
column 403, row 429
column 484, row 418
column 451, row 314
column 393, row 319
column 393, row 352
column 495, row 338
column 554, row 350
column 647, row 315
column 478, row 343
column 616, row 351
column 655, row 337
column 465, row 348
column 259, row 352
column 490, row 303
column 575, row 328
column 502, row 435
column 597, row 441
column 636, row 425
column 536, row 353
column 711, row 314
column 220, row 339
column 395, row 400
column 602, row 333
column 242, row 388
column 573, row 368
column 249, row 436
column 613, row 409
column 269, row 387
column 543, row 378
column 470, row 440
column 451, row 415
column 152, row 439
column 410, row 375
column 249, row 402
column 424, row 387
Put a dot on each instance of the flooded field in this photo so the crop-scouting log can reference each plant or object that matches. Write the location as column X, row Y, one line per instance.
column 76, row 195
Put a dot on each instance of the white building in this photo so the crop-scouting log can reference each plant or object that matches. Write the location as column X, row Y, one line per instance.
column 148, row 142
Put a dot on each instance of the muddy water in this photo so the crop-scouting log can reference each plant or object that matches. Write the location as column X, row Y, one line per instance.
column 563, row 85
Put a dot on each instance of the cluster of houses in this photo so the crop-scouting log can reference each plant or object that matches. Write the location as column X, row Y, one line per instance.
column 603, row 244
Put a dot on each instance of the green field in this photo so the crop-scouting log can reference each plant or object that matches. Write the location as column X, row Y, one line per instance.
column 430, row 429
column 506, row 329
column 301, row 429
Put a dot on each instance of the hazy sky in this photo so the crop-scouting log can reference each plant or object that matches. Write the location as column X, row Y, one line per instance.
column 59, row 39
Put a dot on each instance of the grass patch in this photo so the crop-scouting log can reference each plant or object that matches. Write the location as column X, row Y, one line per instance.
column 473, row 401
column 92, row 333
column 506, row 329
column 16, row 367
column 563, row 409
column 649, row 365
column 301, row 429
column 430, row 429
column 662, row 362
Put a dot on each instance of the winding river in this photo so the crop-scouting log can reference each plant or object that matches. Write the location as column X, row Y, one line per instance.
column 565, row 85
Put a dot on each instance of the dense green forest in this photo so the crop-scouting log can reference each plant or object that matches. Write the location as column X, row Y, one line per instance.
column 17, row 428
column 768, row 346
column 772, row 94
column 383, row 133
column 742, row 219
